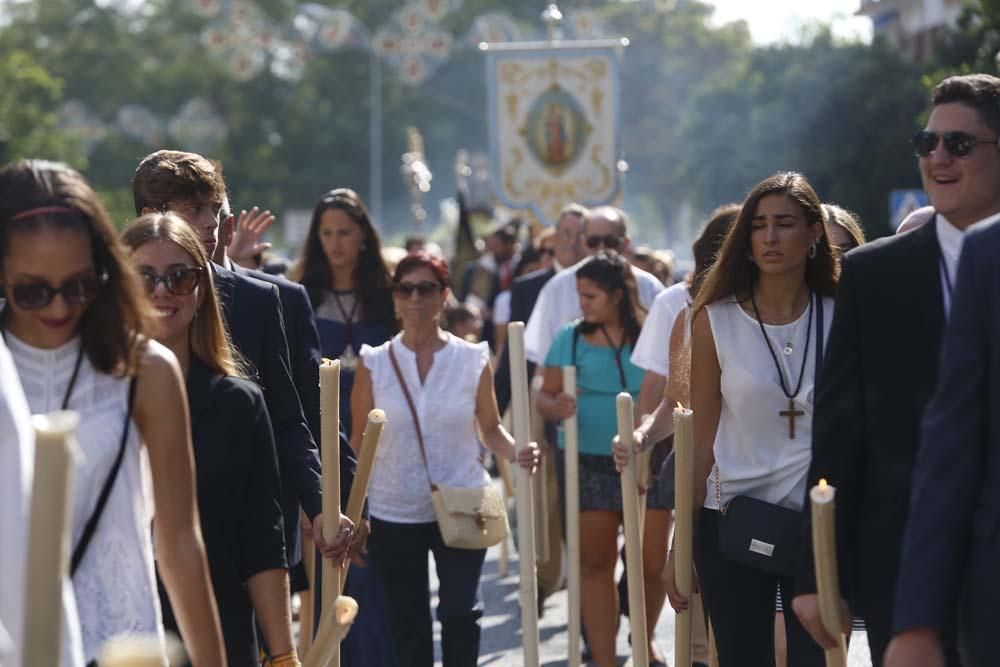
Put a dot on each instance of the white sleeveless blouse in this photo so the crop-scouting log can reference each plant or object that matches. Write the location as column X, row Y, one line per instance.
column 754, row 454
column 446, row 404
column 115, row 584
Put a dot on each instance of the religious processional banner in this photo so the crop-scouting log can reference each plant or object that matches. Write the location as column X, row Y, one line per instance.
column 554, row 124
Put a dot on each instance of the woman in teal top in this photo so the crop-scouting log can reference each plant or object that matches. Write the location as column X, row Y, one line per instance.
column 600, row 346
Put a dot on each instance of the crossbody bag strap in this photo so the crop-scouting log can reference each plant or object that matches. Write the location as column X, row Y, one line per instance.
column 102, row 500
column 413, row 414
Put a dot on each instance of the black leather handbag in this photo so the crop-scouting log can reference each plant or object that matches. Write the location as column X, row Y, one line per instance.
column 757, row 533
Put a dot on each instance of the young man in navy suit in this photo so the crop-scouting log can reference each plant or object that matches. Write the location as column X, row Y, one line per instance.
column 881, row 365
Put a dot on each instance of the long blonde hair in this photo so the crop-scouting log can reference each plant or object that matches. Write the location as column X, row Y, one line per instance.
column 209, row 338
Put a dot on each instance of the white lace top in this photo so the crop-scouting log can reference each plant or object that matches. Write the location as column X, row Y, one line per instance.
column 115, row 585
column 446, row 405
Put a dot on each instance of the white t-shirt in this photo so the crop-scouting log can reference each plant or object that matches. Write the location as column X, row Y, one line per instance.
column 652, row 350
column 754, row 454
column 17, row 455
column 559, row 303
column 446, row 406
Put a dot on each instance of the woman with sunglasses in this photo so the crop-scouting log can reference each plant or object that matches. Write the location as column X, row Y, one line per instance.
column 846, row 232
column 449, row 384
column 600, row 346
column 342, row 269
column 76, row 322
column 235, row 457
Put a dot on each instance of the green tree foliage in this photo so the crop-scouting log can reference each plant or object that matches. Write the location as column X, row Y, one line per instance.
column 28, row 96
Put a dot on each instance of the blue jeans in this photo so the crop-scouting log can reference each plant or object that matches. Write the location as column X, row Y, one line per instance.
column 399, row 554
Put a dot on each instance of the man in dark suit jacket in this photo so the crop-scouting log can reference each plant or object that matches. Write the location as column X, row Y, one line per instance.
column 881, row 365
column 192, row 186
column 951, row 547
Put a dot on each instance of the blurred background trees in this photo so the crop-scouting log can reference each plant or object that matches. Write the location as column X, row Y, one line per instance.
column 706, row 113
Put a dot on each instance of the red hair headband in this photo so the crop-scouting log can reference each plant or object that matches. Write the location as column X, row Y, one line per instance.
column 44, row 210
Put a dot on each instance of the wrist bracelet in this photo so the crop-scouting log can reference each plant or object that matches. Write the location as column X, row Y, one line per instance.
column 290, row 659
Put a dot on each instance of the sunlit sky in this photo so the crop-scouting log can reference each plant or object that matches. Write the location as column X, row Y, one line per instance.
column 778, row 20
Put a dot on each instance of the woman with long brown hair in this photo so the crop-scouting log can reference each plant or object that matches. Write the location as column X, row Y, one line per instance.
column 758, row 331
column 77, row 324
column 236, row 461
column 342, row 269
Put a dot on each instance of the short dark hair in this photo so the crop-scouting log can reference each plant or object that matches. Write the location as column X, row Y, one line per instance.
column 416, row 260
column 979, row 91
column 168, row 176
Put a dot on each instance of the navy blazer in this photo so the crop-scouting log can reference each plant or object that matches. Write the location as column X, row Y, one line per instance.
column 879, row 372
column 252, row 309
column 952, row 543
column 238, row 499
column 524, row 293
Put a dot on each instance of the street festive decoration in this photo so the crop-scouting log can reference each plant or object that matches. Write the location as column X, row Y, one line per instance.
column 196, row 126
column 554, row 123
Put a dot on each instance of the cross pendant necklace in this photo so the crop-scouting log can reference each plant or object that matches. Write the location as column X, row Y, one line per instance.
column 791, row 413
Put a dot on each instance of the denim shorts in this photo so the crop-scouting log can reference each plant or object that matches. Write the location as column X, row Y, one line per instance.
column 601, row 485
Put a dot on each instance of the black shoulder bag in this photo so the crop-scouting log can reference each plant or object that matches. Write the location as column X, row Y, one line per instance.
column 759, row 534
column 102, row 500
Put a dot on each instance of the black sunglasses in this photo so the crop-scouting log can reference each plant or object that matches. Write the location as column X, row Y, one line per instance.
column 422, row 288
column 179, row 282
column 547, row 252
column 609, row 241
column 75, row 292
column 958, row 144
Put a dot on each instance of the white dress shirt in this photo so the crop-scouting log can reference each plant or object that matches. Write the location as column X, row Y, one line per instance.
column 559, row 303
column 950, row 238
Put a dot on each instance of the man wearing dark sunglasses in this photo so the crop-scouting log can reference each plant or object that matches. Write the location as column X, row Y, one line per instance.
column 604, row 228
column 880, row 370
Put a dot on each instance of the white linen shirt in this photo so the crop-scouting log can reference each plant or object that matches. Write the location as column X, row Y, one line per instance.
column 446, row 406
column 652, row 350
column 558, row 303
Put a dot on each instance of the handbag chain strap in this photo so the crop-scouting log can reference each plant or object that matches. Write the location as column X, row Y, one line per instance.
column 413, row 413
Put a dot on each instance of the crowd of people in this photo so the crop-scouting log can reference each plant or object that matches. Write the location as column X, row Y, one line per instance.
column 805, row 353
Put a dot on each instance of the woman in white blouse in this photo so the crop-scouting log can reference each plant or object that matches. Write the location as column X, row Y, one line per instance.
column 451, row 385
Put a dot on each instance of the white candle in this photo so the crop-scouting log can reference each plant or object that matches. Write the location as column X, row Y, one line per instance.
column 683, row 528
column 633, row 536
column 572, row 459
column 363, row 473
column 329, row 401
column 48, row 536
column 821, row 500
column 525, row 506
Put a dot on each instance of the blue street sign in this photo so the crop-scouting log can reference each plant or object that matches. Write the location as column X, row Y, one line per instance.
column 904, row 202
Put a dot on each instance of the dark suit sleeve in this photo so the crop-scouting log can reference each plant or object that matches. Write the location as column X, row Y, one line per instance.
column 951, row 461
column 307, row 358
column 296, row 450
column 262, row 540
column 519, row 312
column 839, row 429
column 348, row 467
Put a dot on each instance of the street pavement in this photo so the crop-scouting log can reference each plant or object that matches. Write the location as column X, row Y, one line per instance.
column 501, row 639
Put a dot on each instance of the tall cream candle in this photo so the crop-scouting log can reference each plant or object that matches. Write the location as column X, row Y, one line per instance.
column 48, row 536
column 363, row 473
column 571, row 453
column 821, row 500
column 633, row 536
column 329, row 401
column 683, row 529
column 523, row 495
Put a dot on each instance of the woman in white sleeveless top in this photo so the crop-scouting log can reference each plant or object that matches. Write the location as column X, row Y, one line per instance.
column 754, row 343
column 450, row 382
column 75, row 322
